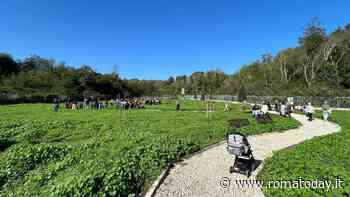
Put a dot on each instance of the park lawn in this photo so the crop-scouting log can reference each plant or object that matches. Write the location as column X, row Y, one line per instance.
column 322, row 158
column 110, row 152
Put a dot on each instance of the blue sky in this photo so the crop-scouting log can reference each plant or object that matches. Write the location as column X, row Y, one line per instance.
column 154, row 39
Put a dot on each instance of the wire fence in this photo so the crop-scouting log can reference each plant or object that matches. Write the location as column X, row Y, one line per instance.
column 338, row 102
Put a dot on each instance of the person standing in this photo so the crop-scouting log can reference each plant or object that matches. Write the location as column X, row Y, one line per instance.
column 289, row 110
column 255, row 109
column 74, row 105
column 326, row 111
column 269, row 106
column 310, row 110
column 56, row 105
column 283, row 110
column 277, row 107
column 177, row 105
column 227, row 106
column 264, row 109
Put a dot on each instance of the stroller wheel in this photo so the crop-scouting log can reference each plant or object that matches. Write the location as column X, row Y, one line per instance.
column 247, row 173
column 232, row 169
column 252, row 167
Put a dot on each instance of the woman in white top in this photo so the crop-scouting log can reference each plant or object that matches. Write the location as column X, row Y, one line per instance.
column 264, row 109
column 283, row 109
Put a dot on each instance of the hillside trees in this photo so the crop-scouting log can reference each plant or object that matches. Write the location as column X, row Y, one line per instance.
column 314, row 36
column 318, row 65
column 288, row 64
column 8, row 65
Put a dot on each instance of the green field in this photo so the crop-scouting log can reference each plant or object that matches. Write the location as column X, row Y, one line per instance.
column 105, row 152
column 322, row 158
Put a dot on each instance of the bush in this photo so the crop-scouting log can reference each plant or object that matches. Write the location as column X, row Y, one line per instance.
column 264, row 119
column 237, row 123
column 5, row 143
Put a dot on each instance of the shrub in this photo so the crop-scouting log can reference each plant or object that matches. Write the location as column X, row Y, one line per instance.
column 264, row 119
column 237, row 123
column 5, row 143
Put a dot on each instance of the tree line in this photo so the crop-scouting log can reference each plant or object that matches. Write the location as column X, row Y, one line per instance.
column 318, row 66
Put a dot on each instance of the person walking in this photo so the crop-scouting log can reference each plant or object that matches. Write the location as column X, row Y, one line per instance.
column 310, row 110
column 326, row 111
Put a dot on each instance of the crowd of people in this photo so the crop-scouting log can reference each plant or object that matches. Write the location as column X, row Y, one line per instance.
column 258, row 110
column 285, row 109
column 88, row 104
column 121, row 103
column 309, row 110
column 127, row 104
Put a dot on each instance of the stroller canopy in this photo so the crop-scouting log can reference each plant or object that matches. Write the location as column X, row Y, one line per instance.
column 236, row 138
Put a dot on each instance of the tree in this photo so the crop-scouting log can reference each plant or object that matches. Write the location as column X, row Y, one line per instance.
column 242, row 94
column 313, row 37
column 171, row 80
column 288, row 62
column 333, row 52
column 8, row 65
column 198, row 82
column 266, row 64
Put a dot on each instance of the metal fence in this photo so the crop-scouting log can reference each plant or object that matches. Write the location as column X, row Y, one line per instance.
column 338, row 102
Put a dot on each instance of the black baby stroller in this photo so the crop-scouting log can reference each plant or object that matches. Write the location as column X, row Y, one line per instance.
column 238, row 145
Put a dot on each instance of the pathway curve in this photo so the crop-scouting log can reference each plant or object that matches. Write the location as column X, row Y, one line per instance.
column 202, row 174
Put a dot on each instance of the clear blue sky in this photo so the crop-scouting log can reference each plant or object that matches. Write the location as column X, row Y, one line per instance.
column 153, row 39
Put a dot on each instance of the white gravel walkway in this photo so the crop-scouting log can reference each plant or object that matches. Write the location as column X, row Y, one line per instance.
column 207, row 174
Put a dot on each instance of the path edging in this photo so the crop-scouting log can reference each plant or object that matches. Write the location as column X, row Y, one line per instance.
column 152, row 190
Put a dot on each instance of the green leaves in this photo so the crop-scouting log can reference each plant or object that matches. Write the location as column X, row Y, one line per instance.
column 322, row 158
column 93, row 152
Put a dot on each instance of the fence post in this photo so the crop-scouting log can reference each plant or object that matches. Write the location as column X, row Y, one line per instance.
column 337, row 102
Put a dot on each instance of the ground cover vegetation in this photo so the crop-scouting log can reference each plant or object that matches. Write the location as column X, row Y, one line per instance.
column 322, row 158
column 106, row 152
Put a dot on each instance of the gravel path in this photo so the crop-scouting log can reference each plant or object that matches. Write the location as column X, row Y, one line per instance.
column 207, row 174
